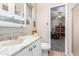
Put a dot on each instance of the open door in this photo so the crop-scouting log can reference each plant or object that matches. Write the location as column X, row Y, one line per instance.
column 57, row 24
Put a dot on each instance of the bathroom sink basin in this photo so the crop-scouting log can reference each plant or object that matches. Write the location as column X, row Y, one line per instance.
column 28, row 37
column 20, row 40
column 10, row 42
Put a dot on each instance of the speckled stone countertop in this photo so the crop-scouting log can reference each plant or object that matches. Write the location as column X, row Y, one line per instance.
column 9, row 50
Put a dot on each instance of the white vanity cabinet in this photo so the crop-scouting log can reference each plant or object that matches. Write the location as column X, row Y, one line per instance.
column 34, row 49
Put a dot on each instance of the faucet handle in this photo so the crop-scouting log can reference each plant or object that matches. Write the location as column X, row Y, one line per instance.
column 9, row 37
column 18, row 35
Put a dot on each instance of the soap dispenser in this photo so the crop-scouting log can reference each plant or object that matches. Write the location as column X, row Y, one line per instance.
column 34, row 30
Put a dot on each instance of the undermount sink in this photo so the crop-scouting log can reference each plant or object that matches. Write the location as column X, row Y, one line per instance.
column 29, row 37
column 10, row 42
column 17, row 41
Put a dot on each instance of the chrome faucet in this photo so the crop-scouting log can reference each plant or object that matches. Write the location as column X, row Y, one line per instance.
column 18, row 35
column 9, row 37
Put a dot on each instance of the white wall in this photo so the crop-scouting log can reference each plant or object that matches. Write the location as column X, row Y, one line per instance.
column 69, row 28
column 43, row 17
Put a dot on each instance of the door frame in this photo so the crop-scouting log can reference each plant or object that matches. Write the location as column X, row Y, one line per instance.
column 65, row 25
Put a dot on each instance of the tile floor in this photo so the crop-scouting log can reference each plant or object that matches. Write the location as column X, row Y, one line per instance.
column 58, row 47
column 56, row 53
column 58, row 44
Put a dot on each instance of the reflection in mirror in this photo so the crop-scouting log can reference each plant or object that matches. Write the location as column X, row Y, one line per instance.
column 19, row 9
column 5, row 6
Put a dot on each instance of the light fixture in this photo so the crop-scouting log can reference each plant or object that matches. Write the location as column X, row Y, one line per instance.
column 60, row 15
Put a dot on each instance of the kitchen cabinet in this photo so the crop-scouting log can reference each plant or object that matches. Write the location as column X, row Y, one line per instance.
column 33, row 49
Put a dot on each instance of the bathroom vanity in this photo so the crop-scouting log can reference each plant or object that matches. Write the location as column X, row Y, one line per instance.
column 33, row 49
column 24, row 46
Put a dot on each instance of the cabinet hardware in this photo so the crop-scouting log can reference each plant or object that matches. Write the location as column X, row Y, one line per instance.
column 31, row 49
column 34, row 46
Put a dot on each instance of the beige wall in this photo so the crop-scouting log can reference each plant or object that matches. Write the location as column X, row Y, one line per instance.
column 43, row 18
column 69, row 28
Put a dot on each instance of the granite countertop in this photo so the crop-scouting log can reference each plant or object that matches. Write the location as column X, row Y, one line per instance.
column 10, row 50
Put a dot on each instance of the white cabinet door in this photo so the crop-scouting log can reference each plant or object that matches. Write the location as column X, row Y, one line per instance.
column 37, row 48
column 31, row 50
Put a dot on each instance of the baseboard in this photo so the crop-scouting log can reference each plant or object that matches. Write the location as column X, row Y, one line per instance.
column 70, row 54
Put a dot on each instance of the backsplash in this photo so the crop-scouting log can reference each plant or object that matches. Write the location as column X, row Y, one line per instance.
column 7, row 33
column 11, row 36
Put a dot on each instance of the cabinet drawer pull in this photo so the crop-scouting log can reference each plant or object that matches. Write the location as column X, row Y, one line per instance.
column 34, row 46
column 30, row 49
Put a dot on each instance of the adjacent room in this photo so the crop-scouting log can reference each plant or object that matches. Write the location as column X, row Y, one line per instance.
column 58, row 29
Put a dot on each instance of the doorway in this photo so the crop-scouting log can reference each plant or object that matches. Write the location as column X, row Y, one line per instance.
column 57, row 29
